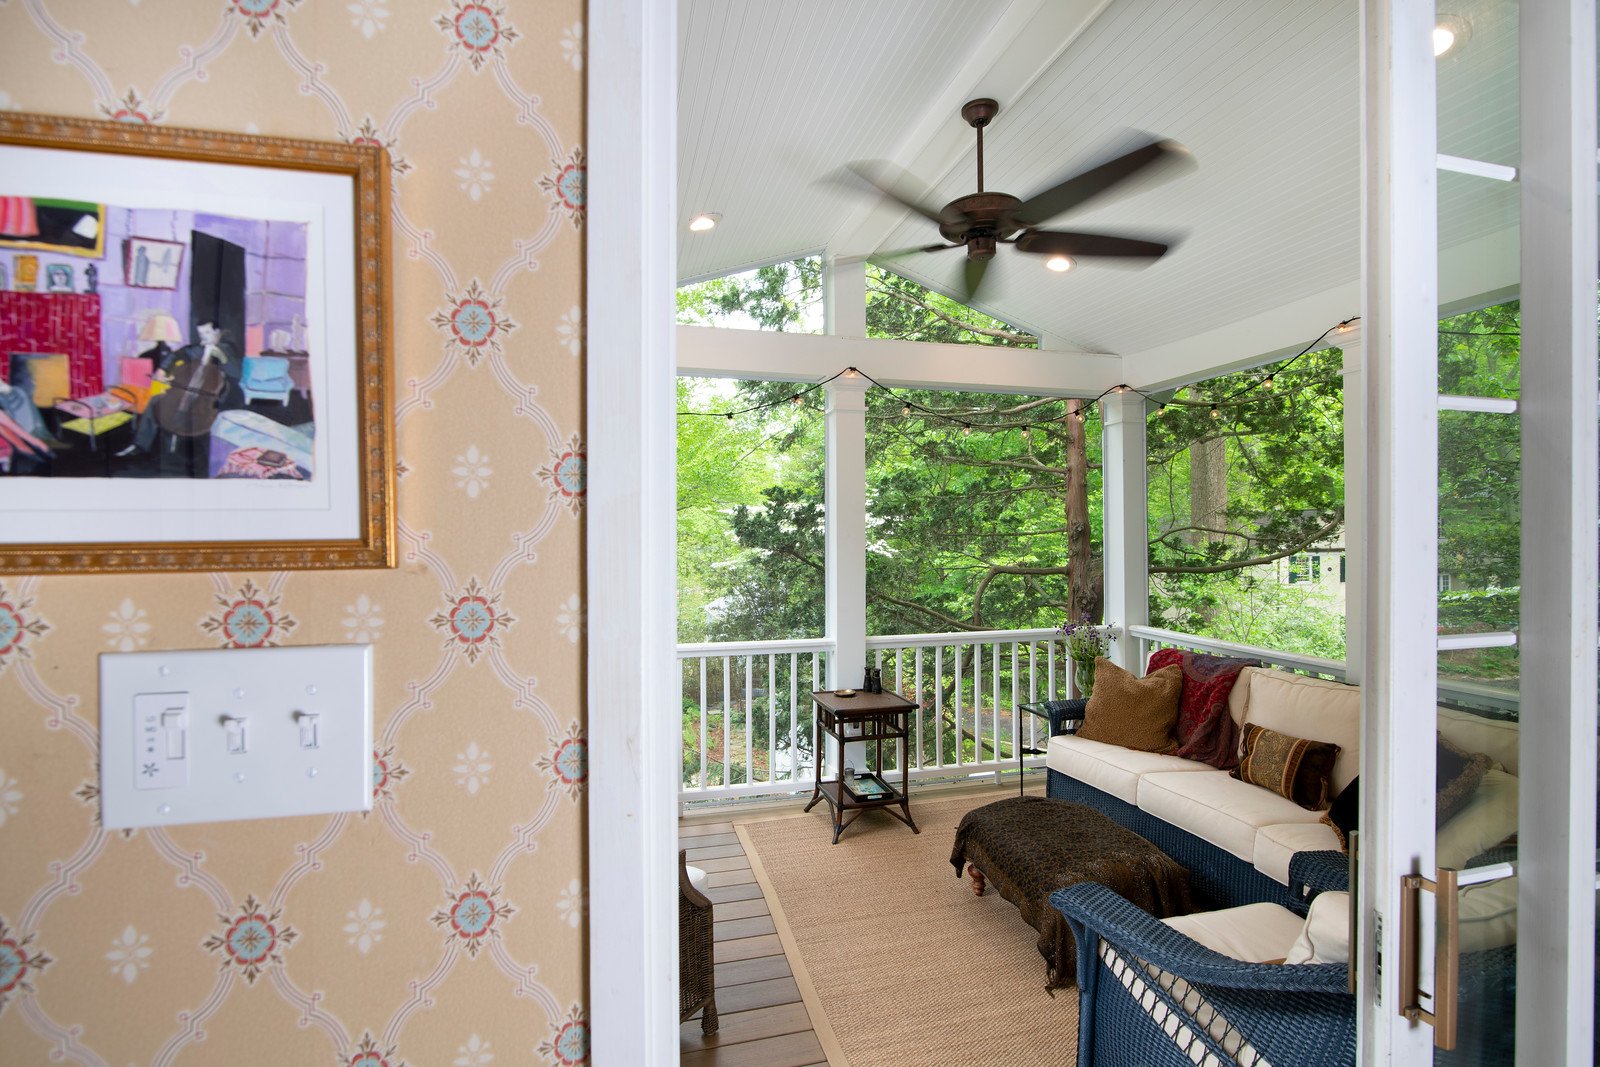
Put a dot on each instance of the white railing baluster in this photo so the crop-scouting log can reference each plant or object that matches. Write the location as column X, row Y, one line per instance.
column 938, row 705
column 794, row 716
column 920, row 702
column 961, row 748
column 705, row 780
column 994, row 683
column 749, row 727
column 1050, row 669
column 727, row 720
column 977, row 702
column 772, row 717
column 1016, row 726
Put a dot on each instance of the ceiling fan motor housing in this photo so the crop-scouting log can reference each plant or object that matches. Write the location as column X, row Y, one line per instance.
column 978, row 215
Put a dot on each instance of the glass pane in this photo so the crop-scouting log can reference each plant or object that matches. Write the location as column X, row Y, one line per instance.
column 1479, row 95
column 750, row 512
column 1476, row 816
column 1246, row 494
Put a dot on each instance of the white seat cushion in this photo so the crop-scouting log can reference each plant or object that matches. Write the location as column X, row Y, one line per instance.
column 1254, row 933
column 1219, row 809
column 1276, row 843
column 1111, row 768
column 698, row 878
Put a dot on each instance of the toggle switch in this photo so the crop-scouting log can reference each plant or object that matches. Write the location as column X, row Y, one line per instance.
column 238, row 741
column 308, row 728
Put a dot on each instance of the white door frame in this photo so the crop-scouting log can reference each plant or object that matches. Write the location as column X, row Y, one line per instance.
column 630, row 546
column 1399, row 663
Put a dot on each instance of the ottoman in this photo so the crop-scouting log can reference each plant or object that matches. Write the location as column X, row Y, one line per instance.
column 1031, row 846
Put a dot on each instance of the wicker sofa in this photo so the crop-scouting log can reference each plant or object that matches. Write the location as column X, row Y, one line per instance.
column 1153, row 994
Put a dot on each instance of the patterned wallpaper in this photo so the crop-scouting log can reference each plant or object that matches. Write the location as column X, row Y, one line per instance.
column 446, row 927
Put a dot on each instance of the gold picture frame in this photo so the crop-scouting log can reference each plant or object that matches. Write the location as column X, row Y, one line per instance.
column 337, row 486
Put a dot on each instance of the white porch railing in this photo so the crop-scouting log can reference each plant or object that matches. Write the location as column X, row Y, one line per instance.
column 1452, row 692
column 747, row 713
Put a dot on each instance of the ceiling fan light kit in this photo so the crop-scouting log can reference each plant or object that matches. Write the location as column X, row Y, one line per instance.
column 704, row 221
column 982, row 221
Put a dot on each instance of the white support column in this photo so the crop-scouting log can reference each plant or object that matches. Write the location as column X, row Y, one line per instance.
column 1556, row 890
column 1355, row 505
column 1125, row 545
column 634, row 728
column 845, row 496
column 844, row 297
column 1399, row 672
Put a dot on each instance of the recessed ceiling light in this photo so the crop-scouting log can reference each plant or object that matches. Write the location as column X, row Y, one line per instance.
column 1450, row 32
column 1060, row 263
column 704, row 221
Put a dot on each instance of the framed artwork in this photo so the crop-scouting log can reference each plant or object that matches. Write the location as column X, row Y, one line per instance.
column 148, row 263
column 216, row 395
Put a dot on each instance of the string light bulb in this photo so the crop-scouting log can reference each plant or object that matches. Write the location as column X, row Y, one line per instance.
column 730, row 416
column 966, row 428
column 1215, row 414
column 796, row 399
column 1079, row 415
column 1266, row 383
column 906, row 410
column 1027, row 435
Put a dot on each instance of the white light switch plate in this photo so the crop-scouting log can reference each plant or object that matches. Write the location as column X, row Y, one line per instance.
column 219, row 734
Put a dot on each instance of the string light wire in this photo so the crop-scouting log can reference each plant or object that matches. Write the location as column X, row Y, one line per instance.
column 1080, row 412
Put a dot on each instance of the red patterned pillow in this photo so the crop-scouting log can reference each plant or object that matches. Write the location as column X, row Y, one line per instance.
column 1205, row 730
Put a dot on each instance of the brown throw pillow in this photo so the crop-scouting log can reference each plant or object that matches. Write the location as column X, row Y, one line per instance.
column 1133, row 712
column 1458, row 773
column 1291, row 767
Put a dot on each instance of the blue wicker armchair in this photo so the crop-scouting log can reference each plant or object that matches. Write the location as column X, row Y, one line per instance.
column 1198, row 1001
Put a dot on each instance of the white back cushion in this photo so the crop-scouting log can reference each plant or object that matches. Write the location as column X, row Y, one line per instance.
column 1495, row 738
column 1312, row 708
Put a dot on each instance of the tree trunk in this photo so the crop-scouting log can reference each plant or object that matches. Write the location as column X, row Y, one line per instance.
column 1208, row 489
column 1083, row 584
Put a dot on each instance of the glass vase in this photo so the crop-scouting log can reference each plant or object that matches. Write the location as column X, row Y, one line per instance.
column 1083, row 673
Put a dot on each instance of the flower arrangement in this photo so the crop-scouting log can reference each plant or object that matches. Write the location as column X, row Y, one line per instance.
column 1086, row 640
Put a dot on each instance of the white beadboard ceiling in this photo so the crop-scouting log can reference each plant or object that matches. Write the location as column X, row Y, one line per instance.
column 774, row 98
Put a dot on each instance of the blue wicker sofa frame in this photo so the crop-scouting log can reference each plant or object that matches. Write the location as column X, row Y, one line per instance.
column 1217, row 878
column 1292, row 1015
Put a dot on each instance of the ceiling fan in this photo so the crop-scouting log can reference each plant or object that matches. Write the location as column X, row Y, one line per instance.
column 981, row 221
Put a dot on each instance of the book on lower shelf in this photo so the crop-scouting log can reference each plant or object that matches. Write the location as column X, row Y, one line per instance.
column 867, row 787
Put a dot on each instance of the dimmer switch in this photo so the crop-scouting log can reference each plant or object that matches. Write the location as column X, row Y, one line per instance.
column 216, row 734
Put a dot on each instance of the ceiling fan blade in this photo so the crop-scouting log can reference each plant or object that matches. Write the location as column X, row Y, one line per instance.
column 1044, row 206
column 898, row 253
column 1058, row 243
column 894, row 183
column 972, row 278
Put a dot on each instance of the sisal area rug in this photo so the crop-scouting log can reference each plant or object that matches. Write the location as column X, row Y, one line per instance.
column 899, row 963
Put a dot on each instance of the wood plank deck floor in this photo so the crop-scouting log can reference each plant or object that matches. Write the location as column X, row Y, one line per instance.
column 763, row 1020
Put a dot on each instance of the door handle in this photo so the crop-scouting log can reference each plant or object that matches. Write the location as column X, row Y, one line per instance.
column 1447, row 953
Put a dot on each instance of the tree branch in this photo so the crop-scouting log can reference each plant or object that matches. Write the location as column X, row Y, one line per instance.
column 1240, row 564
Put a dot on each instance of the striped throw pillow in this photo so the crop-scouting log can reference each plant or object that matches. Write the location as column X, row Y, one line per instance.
column 1291, row 767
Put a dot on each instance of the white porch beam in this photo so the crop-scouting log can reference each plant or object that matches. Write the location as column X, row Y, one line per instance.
column 1026, row 38
column 844, row 297
column 1469, row 275
column 1125, row 547
column 1556, row 891
column 715, row 352
column 1399, row 672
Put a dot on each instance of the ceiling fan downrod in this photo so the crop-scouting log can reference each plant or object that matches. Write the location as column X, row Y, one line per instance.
column 978, row 113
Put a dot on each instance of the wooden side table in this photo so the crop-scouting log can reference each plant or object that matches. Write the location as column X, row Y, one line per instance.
column 876, row 717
